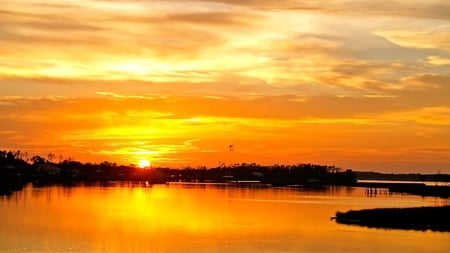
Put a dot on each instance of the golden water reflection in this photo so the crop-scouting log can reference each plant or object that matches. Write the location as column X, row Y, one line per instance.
column 199, row 218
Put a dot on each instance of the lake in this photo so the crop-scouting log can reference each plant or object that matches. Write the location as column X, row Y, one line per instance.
column 130, row 217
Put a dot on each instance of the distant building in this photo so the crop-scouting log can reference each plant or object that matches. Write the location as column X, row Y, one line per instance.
column 228, row 177
column 9, row 167
column 48, row 169
column 257, row 174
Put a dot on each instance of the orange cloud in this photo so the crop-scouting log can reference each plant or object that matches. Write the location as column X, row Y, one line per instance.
column 181, row 131
column 353, row 83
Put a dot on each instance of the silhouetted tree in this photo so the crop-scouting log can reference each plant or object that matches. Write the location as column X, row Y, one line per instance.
column 50, row 157
column 37, row 160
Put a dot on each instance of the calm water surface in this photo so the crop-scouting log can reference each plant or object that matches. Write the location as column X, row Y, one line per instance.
column 201, row 218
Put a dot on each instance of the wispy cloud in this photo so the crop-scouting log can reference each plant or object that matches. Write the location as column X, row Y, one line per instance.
column 439, row 61
column 282, row 80
column 437, row 38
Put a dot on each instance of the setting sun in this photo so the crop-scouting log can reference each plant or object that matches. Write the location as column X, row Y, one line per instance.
column 144, row 163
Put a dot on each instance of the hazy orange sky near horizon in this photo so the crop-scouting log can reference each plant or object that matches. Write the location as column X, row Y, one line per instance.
column 356, row 83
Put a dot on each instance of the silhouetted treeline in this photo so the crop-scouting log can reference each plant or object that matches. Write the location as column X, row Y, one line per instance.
column 17, row 169
column 362, row 175
column 12, row 172
column 277, row 175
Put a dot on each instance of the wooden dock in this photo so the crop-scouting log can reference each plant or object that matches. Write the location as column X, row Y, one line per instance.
column 373, row 188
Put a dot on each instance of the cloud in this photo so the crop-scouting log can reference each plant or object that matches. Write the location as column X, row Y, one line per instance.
column 123, row 128
column 118, row 109
column 433, row 9
column 128, row 40
column 272, row 77
column 438, row 38
column 429, row 79
column 216, row 18
column 437, row 60
column 429, row 116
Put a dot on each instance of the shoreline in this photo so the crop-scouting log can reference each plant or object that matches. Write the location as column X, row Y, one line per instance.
column 411, row 218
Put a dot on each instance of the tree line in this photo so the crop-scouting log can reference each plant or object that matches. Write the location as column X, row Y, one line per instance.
column 18, row 168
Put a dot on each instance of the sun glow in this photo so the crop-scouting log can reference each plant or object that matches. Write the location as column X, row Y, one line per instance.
column 144, row 164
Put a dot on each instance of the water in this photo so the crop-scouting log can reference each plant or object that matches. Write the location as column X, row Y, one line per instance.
column 201, row 218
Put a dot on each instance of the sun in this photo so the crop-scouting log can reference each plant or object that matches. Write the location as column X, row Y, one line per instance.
column 144, row 163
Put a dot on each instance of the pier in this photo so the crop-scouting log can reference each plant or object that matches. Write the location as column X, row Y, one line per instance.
column 419, row 188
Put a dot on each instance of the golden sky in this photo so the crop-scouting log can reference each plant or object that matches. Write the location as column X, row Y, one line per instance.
column 355, row 83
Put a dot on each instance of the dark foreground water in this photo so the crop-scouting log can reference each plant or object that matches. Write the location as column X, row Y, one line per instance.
column 201, row 218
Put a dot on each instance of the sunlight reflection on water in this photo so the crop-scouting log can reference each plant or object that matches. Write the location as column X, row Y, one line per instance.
column 126, row 217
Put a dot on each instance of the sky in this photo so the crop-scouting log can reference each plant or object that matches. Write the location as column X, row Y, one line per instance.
column 359, row 84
